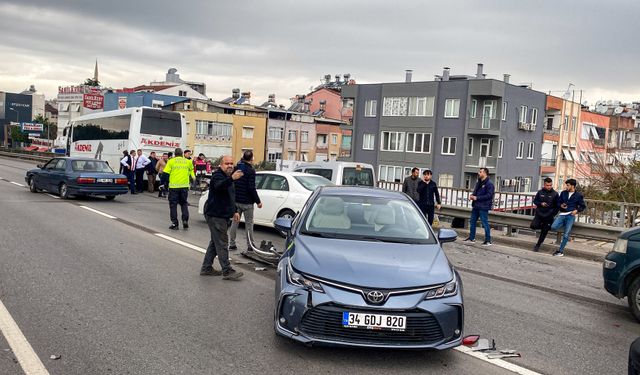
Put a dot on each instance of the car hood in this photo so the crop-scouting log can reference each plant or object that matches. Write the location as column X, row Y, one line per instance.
column 371, row 264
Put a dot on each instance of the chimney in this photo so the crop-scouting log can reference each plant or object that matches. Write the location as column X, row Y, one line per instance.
column 337, row 78
column 327, row 78
column 307, row 105
column 445, row 74
column 346, row 77
column 407, row 75
column 235, row 93
column 272, row 98
column 505, row 78
column 479, row 71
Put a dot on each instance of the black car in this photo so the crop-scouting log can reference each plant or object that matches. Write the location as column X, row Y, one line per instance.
column 621, row 269
column 69, row 177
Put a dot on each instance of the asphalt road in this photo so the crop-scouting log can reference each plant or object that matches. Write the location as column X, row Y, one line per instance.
column 112, row 297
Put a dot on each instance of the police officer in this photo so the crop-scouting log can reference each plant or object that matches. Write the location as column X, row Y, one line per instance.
column 180, row 171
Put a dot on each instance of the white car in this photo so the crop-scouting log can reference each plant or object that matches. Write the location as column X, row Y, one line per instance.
column 282, row 194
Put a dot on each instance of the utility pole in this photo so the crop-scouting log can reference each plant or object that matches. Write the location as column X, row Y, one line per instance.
column 284, row 134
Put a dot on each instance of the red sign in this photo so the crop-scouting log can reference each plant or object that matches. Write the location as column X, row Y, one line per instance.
column 93, row 101
column 122, row 102
column 83, row 148
column 159, row 143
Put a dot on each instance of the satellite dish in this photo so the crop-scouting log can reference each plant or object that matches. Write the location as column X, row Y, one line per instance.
column 618, row 110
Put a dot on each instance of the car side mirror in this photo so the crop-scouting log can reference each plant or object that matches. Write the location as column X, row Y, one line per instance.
column 447, row 235
column 40, row 166
column 283, row 224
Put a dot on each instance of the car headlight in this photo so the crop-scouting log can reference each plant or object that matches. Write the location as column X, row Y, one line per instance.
column 620, row 246
column 296, row 278
column 447, row 290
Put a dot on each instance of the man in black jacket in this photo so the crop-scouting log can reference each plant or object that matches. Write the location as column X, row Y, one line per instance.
column 246, row 197
column 410, row 184
column 219, row 209
column 546, row 201
column 429, row 197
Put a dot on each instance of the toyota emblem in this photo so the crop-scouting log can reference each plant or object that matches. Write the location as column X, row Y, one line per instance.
column 375, row 296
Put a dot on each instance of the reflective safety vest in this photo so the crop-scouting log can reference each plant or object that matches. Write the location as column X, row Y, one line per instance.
column 179, row 170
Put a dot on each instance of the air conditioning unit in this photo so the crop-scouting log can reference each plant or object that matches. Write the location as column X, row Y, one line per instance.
column 523, row 126
column 532, row 127
column 505, row 182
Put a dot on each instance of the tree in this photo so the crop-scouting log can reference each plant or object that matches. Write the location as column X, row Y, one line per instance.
column 17, row 135
column 91, row 82
column 50, row 130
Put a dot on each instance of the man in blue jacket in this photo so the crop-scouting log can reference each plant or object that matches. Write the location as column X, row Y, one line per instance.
column 482, row 198
column 246, row 197
column 571, row 203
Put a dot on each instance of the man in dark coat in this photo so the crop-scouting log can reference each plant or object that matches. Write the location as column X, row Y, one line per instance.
column 482, row 198
column 429, row 197
column 546, row 201
column 246, row 197
column 410, row 184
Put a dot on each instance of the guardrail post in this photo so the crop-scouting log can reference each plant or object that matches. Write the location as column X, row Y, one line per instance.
column 622, row 222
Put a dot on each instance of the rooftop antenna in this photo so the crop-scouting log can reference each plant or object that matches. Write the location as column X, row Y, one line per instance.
column 567, row 93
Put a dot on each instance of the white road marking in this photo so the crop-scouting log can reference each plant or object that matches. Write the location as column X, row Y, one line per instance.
column 185, row 244
column 98, row 212
column 496, row 362
column 27, row 357
column 15, row 183
column 52, row 196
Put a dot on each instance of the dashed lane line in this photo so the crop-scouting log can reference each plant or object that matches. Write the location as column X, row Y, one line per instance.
column 182, row 243
column 97, row 212
column 26, row 356
column 496, row 362
column 17, row 184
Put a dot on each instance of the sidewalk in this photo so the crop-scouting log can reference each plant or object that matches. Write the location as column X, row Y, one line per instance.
column 578, row 247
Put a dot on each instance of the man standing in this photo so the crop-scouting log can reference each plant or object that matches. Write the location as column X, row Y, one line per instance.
column 429, row 197
column 151, row 172
column 410, row 184
column 180, row 171
column 162, row 189
column 125, row 155
column 246, row 197
column 546, row 201
column 141, row 165
column 128, row 169
column 570, row 202
column 218, row 211
column 482, row 198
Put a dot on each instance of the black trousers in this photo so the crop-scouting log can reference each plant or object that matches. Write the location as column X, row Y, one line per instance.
column 429, row 212
column 545, row 226
column 139, row 179
column 178, row 197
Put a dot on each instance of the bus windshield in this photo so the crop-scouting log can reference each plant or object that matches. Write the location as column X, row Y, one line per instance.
column 163, row 123
column 116, row 127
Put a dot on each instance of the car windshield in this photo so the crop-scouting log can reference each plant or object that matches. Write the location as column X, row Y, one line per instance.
column 312, row 182
column 90, row 166
column 367, row 219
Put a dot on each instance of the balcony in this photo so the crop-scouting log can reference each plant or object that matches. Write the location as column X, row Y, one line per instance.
column 548, row 162
column 598, row 142
column 484, row 126
column 552, row 131
column 473, row 163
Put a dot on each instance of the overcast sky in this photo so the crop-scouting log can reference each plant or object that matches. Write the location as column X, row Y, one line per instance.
column 285, row 47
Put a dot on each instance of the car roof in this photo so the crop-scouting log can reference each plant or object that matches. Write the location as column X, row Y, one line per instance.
column 362, row 191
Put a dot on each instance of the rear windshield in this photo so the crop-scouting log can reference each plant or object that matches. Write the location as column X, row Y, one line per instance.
column 326, row 173
column 155, row 122
column 90, row 166
column 312, row 182
column 357, row 176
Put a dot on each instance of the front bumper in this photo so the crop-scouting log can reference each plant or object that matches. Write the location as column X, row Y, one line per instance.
column 613, row 278
column 314, row 318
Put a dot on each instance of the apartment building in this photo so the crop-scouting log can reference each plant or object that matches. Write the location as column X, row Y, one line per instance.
column 453, row 125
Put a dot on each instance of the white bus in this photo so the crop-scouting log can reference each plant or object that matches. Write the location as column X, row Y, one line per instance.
column 106, row 135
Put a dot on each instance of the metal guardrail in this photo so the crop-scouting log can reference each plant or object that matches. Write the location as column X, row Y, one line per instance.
column 27, row 155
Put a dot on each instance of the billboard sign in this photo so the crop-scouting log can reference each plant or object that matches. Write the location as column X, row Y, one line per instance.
column 122, row 102
column 93, row 101
column 31, row 127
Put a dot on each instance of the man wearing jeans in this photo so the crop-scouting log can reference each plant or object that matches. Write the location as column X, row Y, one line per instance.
column 482, row 198
column 571, row 202
column 246, row 197
column 218, row 211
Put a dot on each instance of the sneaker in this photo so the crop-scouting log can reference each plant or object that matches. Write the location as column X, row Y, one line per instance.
column 174, row 227
column 232, row 275
column 233, row 247
column 536, row 248
column 468, row 240
column 211, row 272
column 185, row 225
column 486, row 243
column 558, row 254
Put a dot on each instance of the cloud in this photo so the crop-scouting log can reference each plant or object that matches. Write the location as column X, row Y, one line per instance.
column 285, row 47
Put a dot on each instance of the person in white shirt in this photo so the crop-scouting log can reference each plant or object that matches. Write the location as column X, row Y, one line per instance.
column 141, row 163
column 128, row 169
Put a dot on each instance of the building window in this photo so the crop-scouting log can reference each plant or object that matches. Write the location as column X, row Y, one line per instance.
column 504, row 111
column 276, row 133
column 534, row 115
column 334, row 139
column 520, row 150
column 273, row 156
column 565, row 126
column 470, row 147
column 485, row 148
column 452, row 108
column 304, row 136
column 449, row 145
column 392, row 141
column 419, row 142
column 368, row 141
column 531, row 149
column 292, row 136
column 322, row 140
column 395, row 106
column 500, row 147
column 390, row 173
column 523, row 114
column 213, row 128
column 474, row 108
column 304, row 156
column 445, row 180
column 574, row 121
column 370, row 107
column 182, row 93
column 421, row 106
column 247, row 132
column 292, row 155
